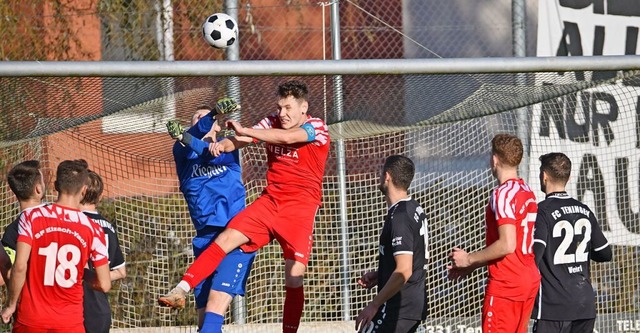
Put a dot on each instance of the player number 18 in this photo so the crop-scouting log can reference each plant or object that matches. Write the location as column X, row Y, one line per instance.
column 59, row 262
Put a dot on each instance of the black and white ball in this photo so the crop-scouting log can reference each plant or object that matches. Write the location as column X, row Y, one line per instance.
column 220, row 30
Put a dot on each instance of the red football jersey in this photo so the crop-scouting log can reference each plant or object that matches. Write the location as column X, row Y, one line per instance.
column 516, row 275
column 62, row 241
column 296, row 170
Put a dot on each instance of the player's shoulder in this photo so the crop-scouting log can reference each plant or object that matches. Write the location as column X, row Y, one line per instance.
column 97, row 218
column 315, row 121
column 39, row 210
column 404, row 207
column 554, row 201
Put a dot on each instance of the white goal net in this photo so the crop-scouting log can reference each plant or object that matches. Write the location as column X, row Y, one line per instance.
column 443, row 122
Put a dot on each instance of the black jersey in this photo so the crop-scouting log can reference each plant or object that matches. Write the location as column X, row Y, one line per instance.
column 10, row 235
column 404, row 232
column 570, row 234
column 97, row 312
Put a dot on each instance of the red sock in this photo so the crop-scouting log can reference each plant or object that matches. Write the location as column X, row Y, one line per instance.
column 204, row 265
column 293, row 304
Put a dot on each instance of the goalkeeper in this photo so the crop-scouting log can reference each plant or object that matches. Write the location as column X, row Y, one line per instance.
column 213, row 189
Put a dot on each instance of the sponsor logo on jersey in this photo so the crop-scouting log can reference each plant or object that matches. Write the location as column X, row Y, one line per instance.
column 396, row 241
column 283, row 152
column 207, row 170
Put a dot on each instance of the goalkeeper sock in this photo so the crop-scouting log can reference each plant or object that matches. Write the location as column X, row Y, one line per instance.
column 212, row 323
column 293, row 304
column 204, row 265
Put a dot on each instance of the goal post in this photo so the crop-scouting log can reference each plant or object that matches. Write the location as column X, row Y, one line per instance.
column 442, row 113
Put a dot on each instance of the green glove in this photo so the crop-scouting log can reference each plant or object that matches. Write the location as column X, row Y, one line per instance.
column 175, row 129
column 226, row 105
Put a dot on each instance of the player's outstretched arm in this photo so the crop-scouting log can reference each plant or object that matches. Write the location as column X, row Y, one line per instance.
column 229, row 144
column 275, row 135
column 226, row 105
column 175, row 129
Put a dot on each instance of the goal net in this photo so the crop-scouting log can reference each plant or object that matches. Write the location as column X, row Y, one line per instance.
column 443, row 122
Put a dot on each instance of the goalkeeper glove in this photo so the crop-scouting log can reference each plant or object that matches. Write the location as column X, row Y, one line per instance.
column 226, row 105
column 175, row 129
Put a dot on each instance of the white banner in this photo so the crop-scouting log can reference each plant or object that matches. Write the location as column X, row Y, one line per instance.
column 599, row 129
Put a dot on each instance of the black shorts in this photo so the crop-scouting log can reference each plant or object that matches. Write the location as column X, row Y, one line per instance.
column 575, row 326
column 100, row 323
column 381, row 324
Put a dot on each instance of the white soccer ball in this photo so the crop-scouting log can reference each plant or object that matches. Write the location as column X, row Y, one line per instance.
column 220, row 30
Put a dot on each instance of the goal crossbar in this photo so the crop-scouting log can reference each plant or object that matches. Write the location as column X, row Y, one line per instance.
column 316, row 67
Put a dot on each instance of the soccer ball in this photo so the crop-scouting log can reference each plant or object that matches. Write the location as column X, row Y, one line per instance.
column 220, row 30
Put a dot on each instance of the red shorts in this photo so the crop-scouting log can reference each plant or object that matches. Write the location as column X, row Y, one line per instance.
column 289, row 221
column 505, row 315
column 21, row 328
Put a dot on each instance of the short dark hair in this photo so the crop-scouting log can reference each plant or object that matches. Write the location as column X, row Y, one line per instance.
column 204, row 107
column 71, row 176
column 401, row 170
column 23, row 177
column 557, row 166
column 95, row 186
column 508, row 148
column 294, row 88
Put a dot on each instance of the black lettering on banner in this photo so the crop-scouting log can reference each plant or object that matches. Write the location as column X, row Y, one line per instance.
column 598, row 5
column 552, row 110
column 629, row 219
column 613, row 7
column 590, row 179
column 575, row 131
column 571, row 44
column 630, row 49
column 598, row 48
column 600, row 119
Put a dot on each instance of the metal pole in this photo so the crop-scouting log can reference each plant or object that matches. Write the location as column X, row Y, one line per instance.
column 164, row 27
column 317, row 67
column 338, row 105
column 238, row 306
column 519, row 31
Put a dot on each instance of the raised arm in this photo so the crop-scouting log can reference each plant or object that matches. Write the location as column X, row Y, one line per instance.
column 305, row 133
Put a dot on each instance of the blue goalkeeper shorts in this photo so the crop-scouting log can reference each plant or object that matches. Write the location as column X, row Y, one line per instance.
column 230, row 276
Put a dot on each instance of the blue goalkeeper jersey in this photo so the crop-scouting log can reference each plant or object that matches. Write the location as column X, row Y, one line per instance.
column 212, row 187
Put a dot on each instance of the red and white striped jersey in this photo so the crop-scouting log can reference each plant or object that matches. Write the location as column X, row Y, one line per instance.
column 296, row 170
column 62, row 241
column 516, row 275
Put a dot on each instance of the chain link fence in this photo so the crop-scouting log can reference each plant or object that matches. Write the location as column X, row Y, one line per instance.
column 269, row 29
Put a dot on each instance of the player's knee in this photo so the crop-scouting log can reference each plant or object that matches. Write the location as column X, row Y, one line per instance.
column 294, row 281
column 229, row 239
